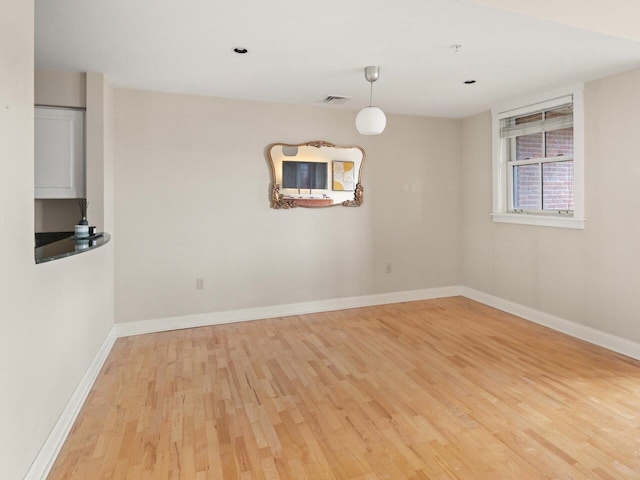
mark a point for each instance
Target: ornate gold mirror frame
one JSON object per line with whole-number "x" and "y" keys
{"x": 315, "y": 174}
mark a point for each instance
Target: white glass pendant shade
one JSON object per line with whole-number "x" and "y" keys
{"x": 371, "y": 121}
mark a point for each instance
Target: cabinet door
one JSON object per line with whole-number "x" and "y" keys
{"x": 59, "y": 153}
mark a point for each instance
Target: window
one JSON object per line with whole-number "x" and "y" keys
{"x": 537, "y": 161}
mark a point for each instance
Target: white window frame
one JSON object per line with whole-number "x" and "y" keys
{"x": 502, "y": 177}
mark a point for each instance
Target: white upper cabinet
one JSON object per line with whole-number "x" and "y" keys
{"x": 59, "y": 153}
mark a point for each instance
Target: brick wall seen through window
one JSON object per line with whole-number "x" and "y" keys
{"x": 557, "y": 177}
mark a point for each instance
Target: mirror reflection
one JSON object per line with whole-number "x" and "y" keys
{"x": 315, "y": 174}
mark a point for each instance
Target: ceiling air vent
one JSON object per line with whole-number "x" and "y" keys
{"x": 336, "y": 99}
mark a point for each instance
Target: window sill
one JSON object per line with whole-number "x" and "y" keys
{"x": 539, "y": 220}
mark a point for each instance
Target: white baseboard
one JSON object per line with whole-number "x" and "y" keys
{"x": 583, "y": 332}
{"x": 577, "y": 330}
{"x": 218, "y": 318}
{"x": 43, "y": 462}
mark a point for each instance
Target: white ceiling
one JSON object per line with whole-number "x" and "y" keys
{"x": 301, "y": 51}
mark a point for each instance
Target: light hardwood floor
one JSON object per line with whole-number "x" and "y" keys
{"x": 440, "y": 389}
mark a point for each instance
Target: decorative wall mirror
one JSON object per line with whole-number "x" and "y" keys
{"x": 315, "y": 174}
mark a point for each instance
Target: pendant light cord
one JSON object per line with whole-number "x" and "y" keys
{"x": 371, "y": 95}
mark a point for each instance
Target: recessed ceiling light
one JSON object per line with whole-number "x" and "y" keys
{"x": 469, "y": 82}
{"x": 240, "y": 50}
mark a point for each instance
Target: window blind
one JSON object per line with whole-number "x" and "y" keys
{"x": 508, "y": 127}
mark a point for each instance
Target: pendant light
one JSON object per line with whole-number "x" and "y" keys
{"x": 371, "y": 120}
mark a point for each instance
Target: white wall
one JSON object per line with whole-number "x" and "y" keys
{"x": 192, "y": 200}
{"x": 56, "y": 315}
{"x": 587, "y": 276}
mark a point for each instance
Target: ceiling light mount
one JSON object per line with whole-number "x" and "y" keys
{"x": 240, "y": 50}
{"x": 372, "y": 73}
{"x": 371, "y": 120}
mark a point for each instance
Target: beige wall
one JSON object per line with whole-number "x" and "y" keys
{"x": 617, "y": 18}
{"x": 55, "y": 315}
{"x": 56, "y": 215}
{"x": 192, "y": 184}
{"x": 587, "y": 276}
{"x": 95, "y": 149}
{"x": 60, "y": 89}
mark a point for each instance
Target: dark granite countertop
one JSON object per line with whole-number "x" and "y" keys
{"x": 46, "y": 238}
{"x": 55, "y": 245}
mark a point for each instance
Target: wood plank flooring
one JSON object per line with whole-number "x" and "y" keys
{"x": 440, "y": 389}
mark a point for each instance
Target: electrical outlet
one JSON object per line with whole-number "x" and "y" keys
{"x": 200, "y": 283}
{"x": 387, "y": 268}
